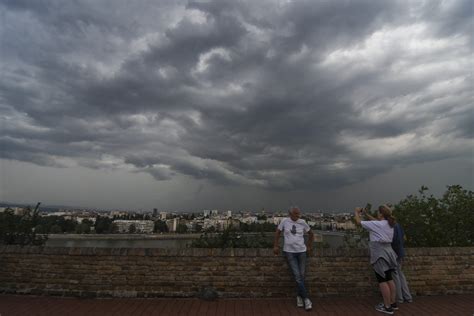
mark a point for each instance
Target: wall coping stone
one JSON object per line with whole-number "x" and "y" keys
{"x": 216, "y": 252}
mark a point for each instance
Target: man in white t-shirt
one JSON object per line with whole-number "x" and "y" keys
{"x": 295, "y": 250}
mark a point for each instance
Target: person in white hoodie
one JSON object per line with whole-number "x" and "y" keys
{"x": 382, "y": 257}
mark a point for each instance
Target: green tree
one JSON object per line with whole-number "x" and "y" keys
{"x": 443, "y": 222}
{"x": 114, "y": 229}
{"x": 182, "y": 229}
{"x": 65, "y": 225}
{"x": 40, "y": 229}
{"x": 257, "y": 227}
{"x": 210, "y": 229}
{"x": 132, "y": 229}
{"x": 20, "y": 230}
{"x": 103, "y": 225}
{"x": 83, "y": 228}
{"x": 160, "y": 227}
{"x": 198, "y": 228}
{"x": 55, "y": 229}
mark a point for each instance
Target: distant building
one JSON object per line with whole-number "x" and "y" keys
{"x": 57, "y": 214}
{"x": 206, "y": 213}
{"x": 163, "y": 216}
{"x": 141, "y": 226}
{"x": 155, "y": 212}
{"x": 346, "y": 226}
{"x": 208, "y": 223}
{"x": 191, "y": 226}
{"x": 19, "y": 211}
{"x": 218, "y": 224}
{"x": 249, "y": 219}
{"x": 79, "y": 219}
{"x": 277, "y": 219}
{"x": 7, "y": 209}
{"x": 221, "y": 224}
{"x": 233, "y": 222}
{"x": 173, "y": 224}
{"x": 118, "y": 213}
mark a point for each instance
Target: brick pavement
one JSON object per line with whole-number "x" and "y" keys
{"x": 11, "y": 305}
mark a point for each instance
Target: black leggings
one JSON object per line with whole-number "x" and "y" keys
{"x": 388, "y": 276}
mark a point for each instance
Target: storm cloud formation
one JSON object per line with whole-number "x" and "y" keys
{"x": 280, "y": 95}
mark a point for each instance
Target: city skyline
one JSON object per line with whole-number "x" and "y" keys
{"x": 191, "y": 105}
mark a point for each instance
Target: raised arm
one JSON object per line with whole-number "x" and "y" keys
{"x": 370, "y": 217}
{"x": 357, "y": 212}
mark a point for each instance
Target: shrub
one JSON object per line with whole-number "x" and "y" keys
{"x": 443, "y": 222}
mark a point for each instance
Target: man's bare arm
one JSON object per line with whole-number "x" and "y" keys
{"x": 309, "y": 242}
{"x": 276, "y": 242}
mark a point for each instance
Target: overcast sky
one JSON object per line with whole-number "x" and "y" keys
{"x": 184, "y": 106}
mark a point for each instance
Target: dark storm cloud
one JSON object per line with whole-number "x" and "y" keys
{"x": 275, "y": 94}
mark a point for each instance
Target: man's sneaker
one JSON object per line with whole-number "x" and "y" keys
{"x": 299, "y": 301}
{"x": 405, "y": 301}
{"x": 381, "y": 308}
{"x": 307, "y": 304}
{"x": 394, "y": 306}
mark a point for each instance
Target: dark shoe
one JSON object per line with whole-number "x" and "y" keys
{"x": 381, "y": 308}
{"x": 394, "y": 306}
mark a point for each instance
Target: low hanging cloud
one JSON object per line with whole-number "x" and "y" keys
{"x": 276, "y": 94}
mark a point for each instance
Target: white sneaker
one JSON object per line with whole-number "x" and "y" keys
{"x": 307, "y": 304}
{"x": 299, "y": 301}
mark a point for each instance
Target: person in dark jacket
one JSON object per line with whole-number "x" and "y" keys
{"x": 403, "y": 292}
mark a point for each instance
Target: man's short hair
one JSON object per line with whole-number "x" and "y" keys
{"x": 293, "y": 208}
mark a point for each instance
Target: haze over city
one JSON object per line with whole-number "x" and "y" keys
{"x": 184, "y": 105}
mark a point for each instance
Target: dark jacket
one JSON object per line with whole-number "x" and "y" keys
{"x": 397, "y": 242}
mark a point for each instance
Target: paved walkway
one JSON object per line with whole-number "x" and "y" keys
{"x": 10, "y": 305}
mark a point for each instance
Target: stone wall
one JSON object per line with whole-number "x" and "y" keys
{"x": 91, "y": 272}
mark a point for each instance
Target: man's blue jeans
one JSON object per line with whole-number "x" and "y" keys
{"x": 297, "y": 263}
